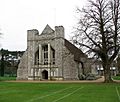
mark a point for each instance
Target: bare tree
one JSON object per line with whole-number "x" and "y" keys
{"x": 99, "y": 31}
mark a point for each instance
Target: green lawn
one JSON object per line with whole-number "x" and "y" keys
{"x": 51, "y": 92}
{"x": 116, "y": 77}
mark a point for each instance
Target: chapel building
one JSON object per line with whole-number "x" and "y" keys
{"x": 50, "y": 56}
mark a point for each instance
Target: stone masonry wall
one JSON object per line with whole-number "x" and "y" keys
{"x": 22, "y": 72}
{"x": 70, "y": 66}
{"x": 59, "y": 43}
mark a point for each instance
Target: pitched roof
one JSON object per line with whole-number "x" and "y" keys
{"x": 47, "y": 30}
{"x": 75, "y": 51}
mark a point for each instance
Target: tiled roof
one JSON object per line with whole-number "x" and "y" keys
{"x": 75, "y": 51}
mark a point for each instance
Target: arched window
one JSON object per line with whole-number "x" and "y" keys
{"x": 45, "y": 49}
{"x": 37, "y": 57}
{"x": 52, "y": 56}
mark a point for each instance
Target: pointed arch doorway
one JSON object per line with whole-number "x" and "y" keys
{"x": 45, "y": 74}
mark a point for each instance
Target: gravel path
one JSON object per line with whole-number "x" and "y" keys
{"x": 100, "y": 80}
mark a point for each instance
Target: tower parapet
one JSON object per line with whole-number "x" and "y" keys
{"x": 31, "y": 34}
{"x": 59, "y": 31}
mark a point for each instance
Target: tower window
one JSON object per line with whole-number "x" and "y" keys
{"x": 53, "y": 56}
{"x": 45, "y": 48}
{"x": 37, "y": 57}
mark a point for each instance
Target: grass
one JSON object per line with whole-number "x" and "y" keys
{"x": 59, "y": 92}
{"x": 116, "y": 77}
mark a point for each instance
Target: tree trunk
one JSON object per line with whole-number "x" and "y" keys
{"x": 118, "y": 70}
{"x": 2, "y": 65}
{"x": 107, "y": 74}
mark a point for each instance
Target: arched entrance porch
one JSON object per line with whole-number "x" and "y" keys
{"x": 45, "y": 74}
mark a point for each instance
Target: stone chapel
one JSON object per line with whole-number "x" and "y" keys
{"x": 50, "y": 56}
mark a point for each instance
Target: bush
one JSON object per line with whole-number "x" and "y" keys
{"x": 81, "y": 77}
{"x": 91, "y": 76}
{"x": 7, "y": 78}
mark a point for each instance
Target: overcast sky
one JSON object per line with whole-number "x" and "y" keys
{"x": 18, "y": 16}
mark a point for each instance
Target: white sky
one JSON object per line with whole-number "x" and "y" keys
{"x": 18, "y": 16}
